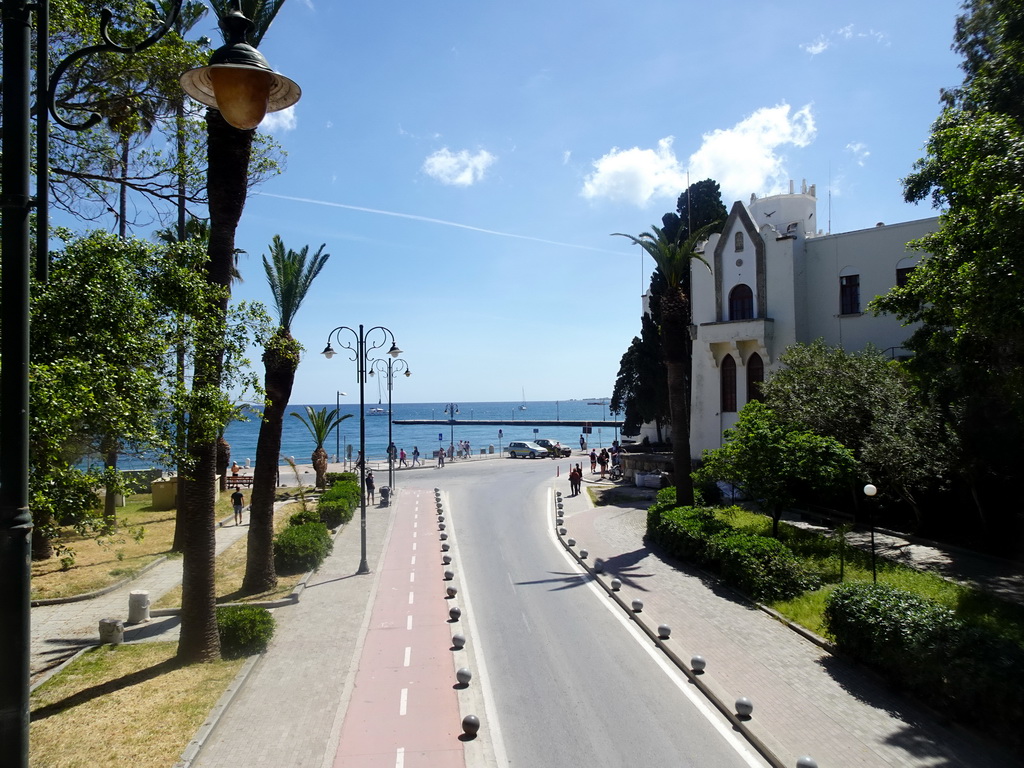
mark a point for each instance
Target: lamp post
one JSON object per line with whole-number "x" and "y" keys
{"x": 376, "y": 337}
{"x": 451, "y": 409}
{"x": 17, "y": 202}
{"x": 870, "y": 491}
{"x": 388, "y": 367}
{"x": 337, "y": 432}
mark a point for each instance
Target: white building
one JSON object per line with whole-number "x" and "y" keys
{"x": 776, "y": 280}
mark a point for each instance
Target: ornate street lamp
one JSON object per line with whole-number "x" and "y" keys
{"x": 360, "y": 354}
{"x": 871, "y": 491}
{"x": 451, "y": 409}
{"x": 238, "y": 81}
{"x": 388, "y": 368}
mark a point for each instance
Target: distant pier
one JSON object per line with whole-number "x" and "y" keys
{"x": 551, "y": 423}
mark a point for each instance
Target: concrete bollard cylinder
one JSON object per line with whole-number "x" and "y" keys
{"x": 111, "y": 631}
{"x": 138, "y": 606}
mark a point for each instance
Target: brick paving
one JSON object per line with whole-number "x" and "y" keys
{"x": 807, "y": 702}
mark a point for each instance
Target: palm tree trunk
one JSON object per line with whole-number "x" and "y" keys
{"x": 228, "y": 151}
{"x": 280, "y": 361}
{"x": 319, "y": 459}
{"x": 677, "y": 347}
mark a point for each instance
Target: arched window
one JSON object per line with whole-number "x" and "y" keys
{"x": 728, "y": 372}
{"x": 755, "y": 377}
{"x": 741, "y": 303}
{"x": 738, "y": 241}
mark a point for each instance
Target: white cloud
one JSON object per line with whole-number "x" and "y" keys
{"x": 459, "y": 169}
{"x": 566, "y": 156}
{"x": 818, "y": 46}
{"x": 280, "y": 121}
{"x": 745, "y": 158}
{"x": 636, "y": 175}
{"x": 825, "y": 41}
{"x": 860, "y": 151}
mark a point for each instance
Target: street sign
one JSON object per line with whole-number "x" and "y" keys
{"x": 440, "y": 436}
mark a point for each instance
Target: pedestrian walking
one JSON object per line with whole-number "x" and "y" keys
{"x": 440, "y": 456}
{"x": 415, "y": 455}
{"x": 468, "y": 452}
{"x": 237, "y": 502}
{"x": 603, "y": 459}
{"x": 370, "y": 486}
{"x": 593, "y": 461}
{"x": 401, "y": 459}
{"x": 583, "y": 443}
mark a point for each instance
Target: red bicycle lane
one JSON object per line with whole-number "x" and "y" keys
{"x": 404, "y": 709}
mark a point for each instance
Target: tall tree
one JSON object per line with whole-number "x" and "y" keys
{"x": 868, "y": 403}
{"x": 101, "y": 328}
{"x": 228, "y": 154}
{"x": 290, "y": 275}
{"x": 674, "y": 258}
{"x": 775, "y": 463}
{"x": 968, "y": 289}
{"x": 641, "y": 391}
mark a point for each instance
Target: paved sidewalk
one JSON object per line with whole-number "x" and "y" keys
{"x": 807, "y": 702}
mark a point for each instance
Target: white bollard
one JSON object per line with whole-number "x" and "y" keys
{"x": 138, "y": 606}
{"x": 111, "y": 631}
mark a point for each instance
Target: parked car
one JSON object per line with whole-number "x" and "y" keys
{"x": 563, "y": 450}
{"x": 523, "y": 449}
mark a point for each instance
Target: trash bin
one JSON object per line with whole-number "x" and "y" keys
{"x": 385, "y": 495}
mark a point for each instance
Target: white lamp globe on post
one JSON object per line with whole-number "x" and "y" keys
{"x": 870, "y": 491}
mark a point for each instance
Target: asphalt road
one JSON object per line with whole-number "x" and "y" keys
{"x": 570, "y": 681}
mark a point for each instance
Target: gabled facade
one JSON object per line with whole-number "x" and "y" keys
{"x": 776, "y": 280}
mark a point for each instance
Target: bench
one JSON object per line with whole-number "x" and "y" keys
{"x": 240, "y": 481}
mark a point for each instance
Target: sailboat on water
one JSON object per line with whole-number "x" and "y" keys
{"x": 522, "y": 406}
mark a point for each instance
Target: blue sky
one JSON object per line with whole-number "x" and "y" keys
{"x": 466, "y": 162}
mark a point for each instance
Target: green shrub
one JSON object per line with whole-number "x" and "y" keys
{"x": 758, "y": 566}
{"x": 244, "y": 630}
{"x": 305, "y": 516}
{"x": 964, "y": 670}
{"x": 335, "y": 513}
{"x": 301, "y": 548}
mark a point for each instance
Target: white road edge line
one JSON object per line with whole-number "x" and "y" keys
{"x": 712, "y": 715}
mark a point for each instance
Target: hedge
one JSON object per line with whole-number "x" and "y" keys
{"x": 966, "y": 671}
{"x": 301, "y": 548}
{"x": 763, "y": 568}
{"x": 244, "y": 630}
{"x": 337, "y": 504}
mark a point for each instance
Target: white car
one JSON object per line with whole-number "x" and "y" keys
{"x": 523, "y": 449}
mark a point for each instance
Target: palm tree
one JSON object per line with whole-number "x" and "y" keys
{"x": 673, "y": 258}
{"x": 320, "y": 425}
{"x": 228, "y": 152}
{"x": 290, "y": 275}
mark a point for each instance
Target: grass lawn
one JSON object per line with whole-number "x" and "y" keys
{"x": 820, "y": 555}
{"x": 143, "y": 534}
{"x": 123, "y": 705}
{"x": 231, "y": 570}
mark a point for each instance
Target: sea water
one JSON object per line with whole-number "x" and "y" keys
{"x": 297, "y": 443}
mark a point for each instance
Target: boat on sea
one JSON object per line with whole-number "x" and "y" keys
{"x": 377, "y": 411}
{"x": 523, "y": 406}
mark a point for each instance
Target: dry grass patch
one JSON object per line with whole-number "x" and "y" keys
{"x": 231, "y": 570}
{"x": 143, "y": 534}
{"x": 124, "y": 705}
